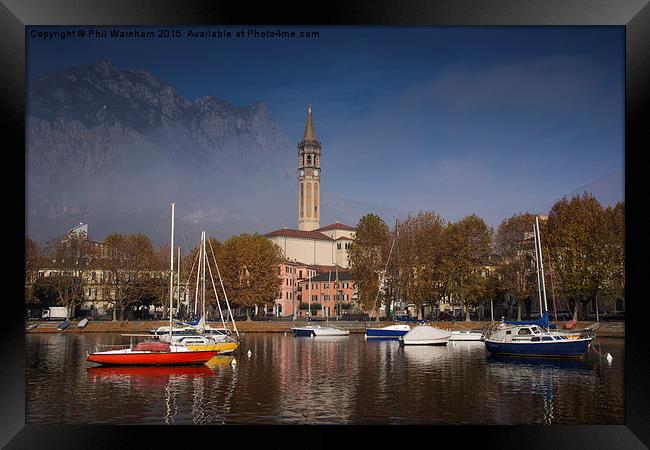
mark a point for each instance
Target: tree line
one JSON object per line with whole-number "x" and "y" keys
{"x": 132, "y": 272}
{"x": 424, "y": 260}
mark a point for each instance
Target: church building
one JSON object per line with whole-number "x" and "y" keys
{"x": 311, "y": 249}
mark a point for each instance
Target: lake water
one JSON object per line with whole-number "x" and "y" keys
{"x": 348, "y": 380}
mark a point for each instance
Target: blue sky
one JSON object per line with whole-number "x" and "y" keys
{"x": 463, "y": 120}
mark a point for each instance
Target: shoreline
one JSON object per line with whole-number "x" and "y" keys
{"x": 607, "y": 329}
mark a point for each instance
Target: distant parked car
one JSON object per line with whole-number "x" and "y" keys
{"x": 561, "y": 315}
{"x": 356, "y": 317}
{"x": 602, "y": 315}
{"x": 444, "y": 316}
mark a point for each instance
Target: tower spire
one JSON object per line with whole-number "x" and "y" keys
{"x": 310, "y": 131}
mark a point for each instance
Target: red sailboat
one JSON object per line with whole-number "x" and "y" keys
{"x": 154, "y": 352}
{"x": 151, "y": 353}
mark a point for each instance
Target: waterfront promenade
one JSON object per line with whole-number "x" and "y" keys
{"x": 607, "y": 329}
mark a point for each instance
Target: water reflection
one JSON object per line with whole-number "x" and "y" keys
{"x": 326, "y": 380}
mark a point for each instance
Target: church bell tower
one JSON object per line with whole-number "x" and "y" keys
{"x": 309, "y": 178}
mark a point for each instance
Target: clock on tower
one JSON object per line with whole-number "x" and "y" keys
{"x": 309, "y": 174}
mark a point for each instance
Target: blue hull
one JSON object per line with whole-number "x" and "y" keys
{"x": 303, "y": 333}
{"x": 565, "y": 348}
{"x": 378, "y": 333}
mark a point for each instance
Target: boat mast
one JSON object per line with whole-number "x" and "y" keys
{"x": 541, "y": 263}
{"x": 171, "y": 275}
{"x": 539, "y": 289}
{"x": 203, "y": 281}
{"x": 198, "y": 277}
{"x": 550, "y": 269}
{"x": 225, "y": 295}
{"x": 178, "y": 283}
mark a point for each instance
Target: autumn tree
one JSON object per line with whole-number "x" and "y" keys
{"x": 367, "y": 258}
{"x": 587, "y": 248}
{"x": 466, "y": 251}
{"x": 31, "y": 266}
{"x": 516, "y": 268}
{"x": 419, "y": 259}
{"x": 131, "y": 264}
{"x": 249, "y": 267}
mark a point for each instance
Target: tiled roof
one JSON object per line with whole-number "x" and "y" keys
{"x": 336, "y": 226}
{"x": 288, "y": 232}
{"x": 326, "y": 269}
{"x": 332, "y": 277}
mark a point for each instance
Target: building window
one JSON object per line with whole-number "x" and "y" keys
{"x": 338, "y": 246}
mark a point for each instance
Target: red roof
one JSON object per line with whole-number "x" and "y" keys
{"x": 336, "y": 226}
{"x": 288, "y": 232}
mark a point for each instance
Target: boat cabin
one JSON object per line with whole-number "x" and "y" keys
{"x": 525, "y": 333}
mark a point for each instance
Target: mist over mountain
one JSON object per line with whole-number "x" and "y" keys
{"x": 113, "y": 147}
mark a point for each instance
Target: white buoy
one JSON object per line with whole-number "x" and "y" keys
{"x": 609, "y": 357}
{"x": 234, "y": 362}
{"x": 249, "y": 353}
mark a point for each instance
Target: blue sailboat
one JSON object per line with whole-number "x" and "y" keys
{"x": 534, "y": 337}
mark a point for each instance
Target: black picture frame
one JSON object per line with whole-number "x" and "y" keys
{"x": 634, "y": 15}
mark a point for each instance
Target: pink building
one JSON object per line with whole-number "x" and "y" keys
{"x": 291, "y": 274}
{"x": 330, "y": 290}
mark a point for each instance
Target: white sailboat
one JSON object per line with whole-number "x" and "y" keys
{"x": 202, "y": 337}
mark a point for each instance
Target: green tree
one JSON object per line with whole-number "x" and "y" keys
{"x": 249, "y": 267}
{"x": 516, "y": 268}
{"x": 466, "y": 253}
{"x": 367, "y": 258}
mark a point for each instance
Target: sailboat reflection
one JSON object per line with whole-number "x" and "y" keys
{"x": 539, "y": 376}
{"x": 146, "y": 377}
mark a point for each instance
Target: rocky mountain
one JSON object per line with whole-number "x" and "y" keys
{"x": 112, "y": 147}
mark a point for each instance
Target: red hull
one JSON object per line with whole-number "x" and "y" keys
{"x": 152, "y": 359}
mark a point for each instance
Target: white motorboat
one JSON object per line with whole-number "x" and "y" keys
{"x": 426, "y": 335}
{"x": 466, "y": 335}
{"x": 318, "y": 330}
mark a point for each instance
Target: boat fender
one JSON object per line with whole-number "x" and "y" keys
{"x": 234, "y": 362}
{"x": 609, "y": 357}
{"x": 249, "y": 353}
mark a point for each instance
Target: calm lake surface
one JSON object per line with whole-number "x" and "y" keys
{"x": 290, "y": 380}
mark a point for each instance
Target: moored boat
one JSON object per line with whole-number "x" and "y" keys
{"x": 82, "y": 323}
{"x": 535, "y": 338}
{"x": 388, "y": 332}
{"x": 151, "y": 353}
{"x": 426, "y": 335}
{"x": 63, "y": 325}
{"x": 532, "y": 340}
{"x": 202, "y": 343}
{"x": 466, "y": 335}
{"x": 317, "y": 330}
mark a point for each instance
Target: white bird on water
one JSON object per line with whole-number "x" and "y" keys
{"x": 249, "y": 353}
{"x": 609, "y": 357}
{"x": 234, "y": 362}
